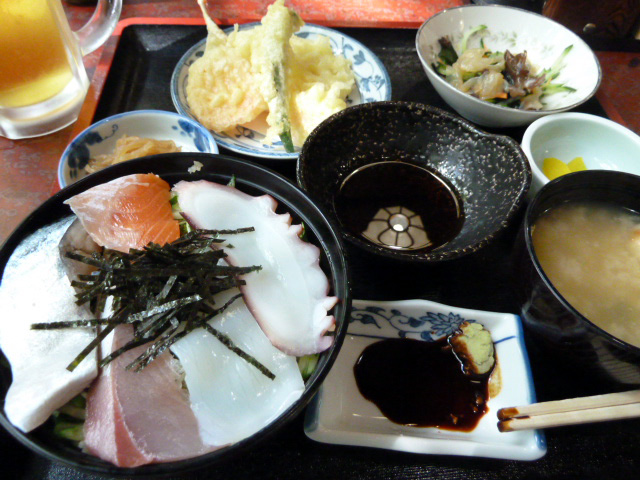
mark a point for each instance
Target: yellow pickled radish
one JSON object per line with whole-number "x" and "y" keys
{"x": 554, "y": 168}
{"x": 577, "y": 165}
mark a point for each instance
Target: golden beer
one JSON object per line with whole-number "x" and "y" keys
{"x": 34, "y": 62}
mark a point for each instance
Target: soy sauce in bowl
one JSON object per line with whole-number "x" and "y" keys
{"x": 400, "y": 206}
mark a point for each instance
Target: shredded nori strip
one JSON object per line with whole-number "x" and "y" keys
{"x": 164, "y": 292}
{"x": 227, "y": 342}
{"x": 89, "y": 322}
{"x": 165, "y": 307}
{"x": 93, "y": 344}
{"x": 169, "y": 339}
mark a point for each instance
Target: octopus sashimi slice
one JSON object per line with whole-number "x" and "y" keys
{"x": 289, "y": 295}
{"x": 136, "y": 418}
{"x": 230, "y": 397}
{"x": 128, "y": 212}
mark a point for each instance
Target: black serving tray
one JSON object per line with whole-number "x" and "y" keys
{"x": 139, "y": 78}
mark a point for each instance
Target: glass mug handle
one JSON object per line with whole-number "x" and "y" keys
{"x": 46, "y": 90}
{"x": 101, "y": 24}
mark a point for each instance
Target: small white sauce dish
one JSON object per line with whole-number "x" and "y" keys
{"x": 101, "y": 137}
{"x": 602, "y": 143}
{"x": 339, "y": 414}
{"x": 518, "y": 31}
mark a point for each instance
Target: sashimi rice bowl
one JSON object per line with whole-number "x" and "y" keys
{"x": 159, "y": 316}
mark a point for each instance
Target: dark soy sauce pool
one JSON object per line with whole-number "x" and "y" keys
{"x": 399, "y": 206}
{"x": 421, "y": 384}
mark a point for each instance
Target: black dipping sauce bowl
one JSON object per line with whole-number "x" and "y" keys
{"x": 489, "y": 172}
{"x": 549, "y": 319}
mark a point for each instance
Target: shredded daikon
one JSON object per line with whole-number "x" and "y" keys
{"x": 128, "y": 148}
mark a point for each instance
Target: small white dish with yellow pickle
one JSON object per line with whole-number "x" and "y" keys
{"x": 568, "y": 142}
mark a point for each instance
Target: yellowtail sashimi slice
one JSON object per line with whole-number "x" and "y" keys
{"x": 136, "y": 418}
{"x": 230, "y": 397}
{"x": 289, "y": 295}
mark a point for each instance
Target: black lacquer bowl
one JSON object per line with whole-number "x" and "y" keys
{"x": 250, "y": 178}
{"x": 490, "y": 172}
{"x": 565, "y": 334}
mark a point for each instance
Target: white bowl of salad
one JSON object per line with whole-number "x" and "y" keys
{"x": 501, "y": 66}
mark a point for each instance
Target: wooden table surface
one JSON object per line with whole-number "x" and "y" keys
{"x": 28, "y": 168}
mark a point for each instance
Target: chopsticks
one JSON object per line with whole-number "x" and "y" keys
{"x": 573, "y": 411}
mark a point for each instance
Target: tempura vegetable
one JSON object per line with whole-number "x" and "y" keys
{"x": 296, "y": 81}
{"x": 223, "y": 90}
{"x": 270, "y": 58}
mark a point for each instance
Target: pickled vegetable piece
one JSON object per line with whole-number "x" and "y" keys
{"x": 553, "y": 168}
{"x": 577, "y": 165}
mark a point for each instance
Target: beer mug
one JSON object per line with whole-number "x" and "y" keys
{"x": 43, "y": 82}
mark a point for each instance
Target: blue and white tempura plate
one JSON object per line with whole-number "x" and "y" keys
{"x": 372, "y": 85}
{"x": 339, "y": 414}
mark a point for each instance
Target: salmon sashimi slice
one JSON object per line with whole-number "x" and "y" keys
{"x": 136, "y": 418}
{"x": 128, "y": 212}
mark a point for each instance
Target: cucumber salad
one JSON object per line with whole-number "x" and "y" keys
{"x": 502, "y": 78}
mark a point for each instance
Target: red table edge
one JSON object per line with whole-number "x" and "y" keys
{"x": 85, "y": 118}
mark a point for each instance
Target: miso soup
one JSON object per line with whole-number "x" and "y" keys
{"x": 591, "y": 253}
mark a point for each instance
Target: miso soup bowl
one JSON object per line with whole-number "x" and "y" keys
{"x": 552, "y": 322}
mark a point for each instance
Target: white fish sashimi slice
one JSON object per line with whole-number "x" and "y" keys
{"x": 35, "y": 289}
{"x": 136, "y": 418}
{"x": 231, "y": 398}
{"x": 77, "y": 240}
{"x": 289, "y": 295}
